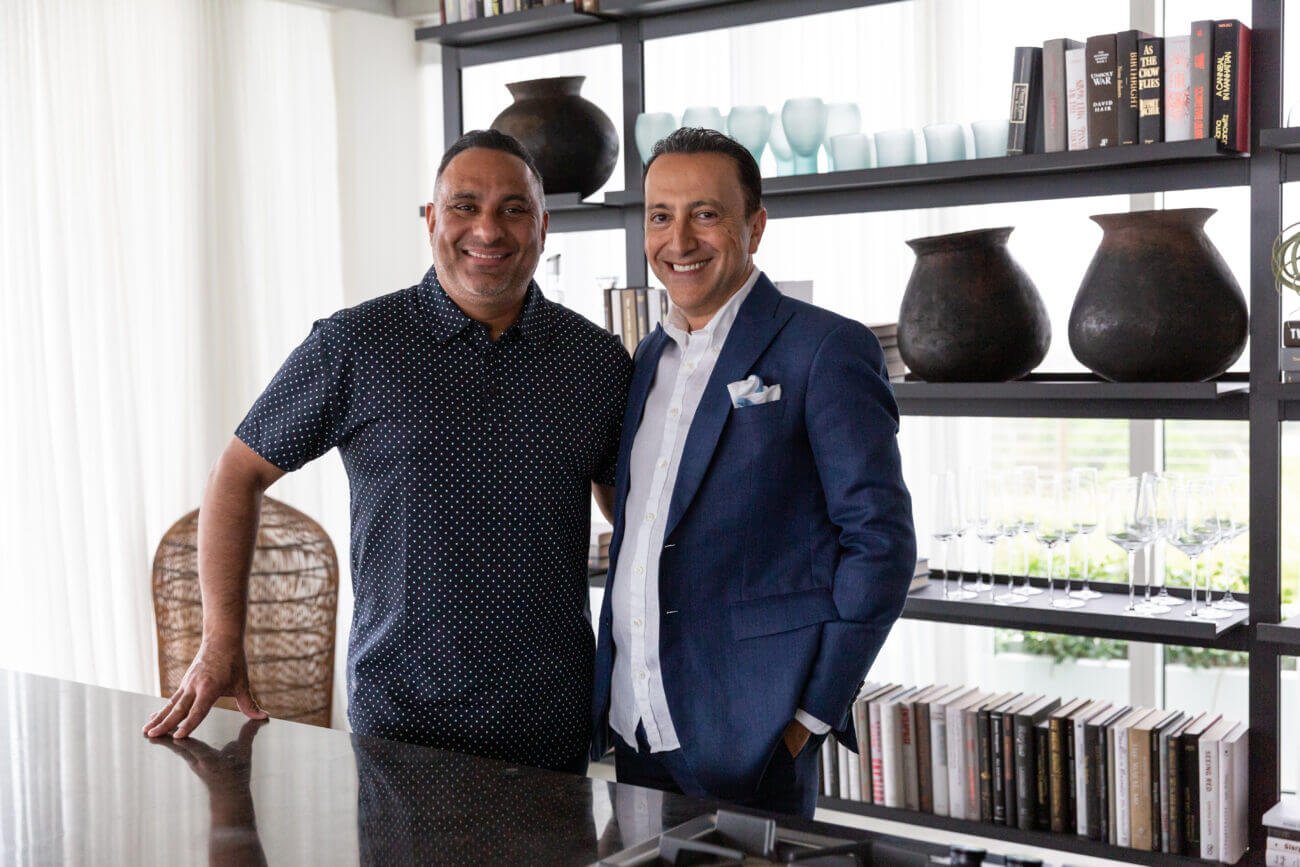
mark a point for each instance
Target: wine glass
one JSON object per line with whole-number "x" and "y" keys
{"x": 1084, "y": 512}
{"x": 987, "y": 518}
{"x": 1234, "y": 520}
{"x": 1124, "y": 525}
{"x": 1051, "y": 526}
{"x": 947, "y": 525}
{"x": 1192, "y": 530}
{"x": 1025, "y": 484}
{"x": 1156, "y": 509}
{"x": 1070, "y": 527}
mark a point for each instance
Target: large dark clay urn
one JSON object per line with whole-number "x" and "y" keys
{"x": 573, "y": 143}
{"x": 1158, "y": 303}
{"x": 970, "y": 313}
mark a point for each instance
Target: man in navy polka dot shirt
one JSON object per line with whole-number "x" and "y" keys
{"x": 474, "y": 417}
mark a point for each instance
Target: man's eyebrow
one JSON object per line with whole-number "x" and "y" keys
{"x": 713, "y": 203}
{"x": 470, "y": 196}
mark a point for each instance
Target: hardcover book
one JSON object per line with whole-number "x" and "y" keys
{"x": 1126, "y": 57}
{"x": 1076, "y": 99}
{"x": 1083, "y": 812}
{"x": 1174, "y": 787}
{"x": 1191, "y": 779}
{"x": 1099, "y": 58}
{"x": 1151, "y": 90}
{"x": 924, "y": 749}
{"x": 1141, "y": 806}
{"x": 1056, "y": 94}
{"x": 957, "y": 754}
{"x": 1042, "y": 785}
{"x": 939, "y": 747}
{"x": 1202, "y": 53}
{"x": 1058, "y": 766}
{"x": 1234, "y": 770}
{"x": 984, "y": 749}
{"x": 1231, "y": 84}
{"x": 1026, "y": 760}
{"x": 1025, "y": 134}
{"x": 1103, "y": 773}
{"x": 1178, "y": 96}
{"x": 1160, "y": 779}
{"x": 1208, "y": 749}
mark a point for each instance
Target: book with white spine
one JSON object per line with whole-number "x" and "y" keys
{"x": 1096, "y": 709}
{"x": 1234, "y": 770}
{"x": 1207, "y": 769}
{"x": 957, "y": 759}
{"x": 939, "y": 746}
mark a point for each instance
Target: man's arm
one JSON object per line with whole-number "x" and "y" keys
{"x": 852, "y": 423}
{"x": 604, "y": 495}
{"x": 227, "y": 536}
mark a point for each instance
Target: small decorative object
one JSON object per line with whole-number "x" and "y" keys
{"x": 573, "y": 142}
{"x": 970, "y": 313}
{"x": 842, "y": 118}
{"x": 750, "y": 125}
{"x": 1286, "y": 259}
{"x": 944, "y": 142}
{"x": 895, "y": 147}
{"x": 990, "y": 137}
{"x": 703, "y": 117}
{"x": 804, "y": 122}
{"x": 851, "y": 151}
{"x": 650, "y": 127}
{"x": 1158, "y": 303}
{"x": 780, "y": 147}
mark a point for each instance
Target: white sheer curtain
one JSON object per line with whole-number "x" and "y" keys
{"x": 169, "y": 216}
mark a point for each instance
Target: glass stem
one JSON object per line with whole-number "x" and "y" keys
{"x": 1195, "y": 568}
{"x": 1148, "y": 560}
{"x": 947, "y": 566}
{"x": 1051, "y": 575}
{"x": 1067, "y": 568}
{"x": 1024, "y": 551}
{"x": 1132, "y": 567}
{"x": 1087, "y": 566}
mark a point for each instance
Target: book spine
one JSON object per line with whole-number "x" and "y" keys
{"x": 1231, "y": 84}
{"x": 1208, "y": 771}
{"x": 1155, "y": 761}
{"x": 1056, "y": 771}
{"x": 642, "y": 314}
{"x": 891, "y": 731}
{"x": 1151, "y": 90}
{"x": 1055, "y": 90}
{"x": 824, "y": 755}
{"x": 1079, "y": 752}
{"x": 907, "y": 736}
{"x": 1191, "y": 796}
{"x": 1042, "y": 766}
{"x": 862, "y": 728}
{"x": 1277, "y": 833}
{"x": 630, "y": 336}
{"x": 1227, "y": 832}
{"x": 1123, "y": 827}
{"x": 1202, "y": 59}
{"x": 924, "y": 760}
{"x": 1071, "y": 803}
{"x": 1025, "y": 134}
{"x": 1174, "y": 794}
{"x": 1099, "y": 59}
{"x": 1282, "y": 844}
{"x": 1009, "y": 798}
{"x": 984, "y": 747}
{"x": 1111, "y": 801}
{"x": 997, "y": 771}
{"x": 956, "y": 766}
{"x": 939, "y": 758}
{"x": 1276, "y": 858}
{"x": 1139, "y": 789}
{"x": 1076, "y": 101}
{"x": 855, "y": 774}
{"x": 1026, "y": 773}
{"x": 451, "y": 12}
{"x": 1126, "y": 57}
{"x": 1091, "y": 783}
{"x": 970, "y": 747}
{"x": 609, "y": 313}
{"x": 1177, "y": 80}
{"x": 877, "y": 754}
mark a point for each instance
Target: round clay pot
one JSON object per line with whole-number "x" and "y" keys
{"x": 573, "y": 142}
{"x": 1158, "y": 303}
{"x": 970, "y": 313}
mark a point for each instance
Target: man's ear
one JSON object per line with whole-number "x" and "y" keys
{"x": 429, "y": 216}
{"x": 758, "y": 224}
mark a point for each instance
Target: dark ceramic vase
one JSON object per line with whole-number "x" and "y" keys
{"x": 574, "y": 144}
{"x": 1158, "y": 303}
{"x": 970, "y": 313}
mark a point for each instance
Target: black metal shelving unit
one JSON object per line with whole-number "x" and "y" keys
{"x": 1259, "y": 400}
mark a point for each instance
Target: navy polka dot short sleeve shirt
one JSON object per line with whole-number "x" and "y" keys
{"x": 470, "y": 463}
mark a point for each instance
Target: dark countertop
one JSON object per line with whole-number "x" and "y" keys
{"x": 79, "y": 784}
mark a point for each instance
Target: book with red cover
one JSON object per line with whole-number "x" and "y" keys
{"x": 1202, "y": 94}
{"x": 1230, "y": 77}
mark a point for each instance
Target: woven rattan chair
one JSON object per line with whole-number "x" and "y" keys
{"x": 292, "y": 601}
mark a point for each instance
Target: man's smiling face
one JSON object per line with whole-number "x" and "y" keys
{"x": 487, "y": 226}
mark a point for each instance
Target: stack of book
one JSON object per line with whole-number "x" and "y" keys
{"x": 1133, "y": 88}
{"x": 921, "y": 575}
{"x": 452, "y": 11}
{"x": 1155, "y": 780}
{"x": 1283, "y": 824}
{"x": 598, "y": 553}
{"x": 631, "y": 314}
{"x": 887, "y": 334}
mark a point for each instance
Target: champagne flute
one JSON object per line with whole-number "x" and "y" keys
{"x": 1234, "y": 520}
{"x": 1156, "y": 509}
{"x": 947, "y": 524}
{"x": 1194, "y": 527}
{"x": 1123, "y": 526}
{"x": 1162, "y": 504}
{"x": 1084, "y": 511}
{"x": 1050, "y": 528}
{"x": 986, "y": 521}
{"x": 1070, "y": 527}
{"x": 1025, "y": 483}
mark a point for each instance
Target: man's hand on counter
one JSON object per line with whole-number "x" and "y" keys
{"x": 219, "y": 669}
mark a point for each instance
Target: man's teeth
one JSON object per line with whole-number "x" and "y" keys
{"x": 486, "y": 255}
{"x": 695, "y": 266}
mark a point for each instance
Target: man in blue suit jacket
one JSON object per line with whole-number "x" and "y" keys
{"x": 763, "y": 540}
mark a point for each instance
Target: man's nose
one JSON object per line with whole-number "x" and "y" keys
{"x": 682, "y": 238}
{"x": 488, "y": 228}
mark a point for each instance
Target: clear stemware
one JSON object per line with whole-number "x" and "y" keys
{"x": 1234, "y": 521}
{"x": 986, "y": 521}
{"x": 947, "y": 526}
{"x": 1125, "y": 527}
{"x": 1023, "y": 487}
{"x": 1193, "y": 529}
{"x": 1085, "y": 510}
{"x": 1051, "y": 527}
{"x": 1070, "y": 527}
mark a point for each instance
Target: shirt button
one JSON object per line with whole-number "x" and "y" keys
{"x": 642, "y": 675}
{"x": 663, "y": 463}
{"x": 636, "y": 621}
{"x": 674, "y": 412}
{"x": 690, "y": 365}
{"x": 640, "y": 570}
{"x": 650, "y": 517}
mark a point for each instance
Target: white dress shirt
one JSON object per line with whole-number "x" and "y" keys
{"x": 637, "y": 688}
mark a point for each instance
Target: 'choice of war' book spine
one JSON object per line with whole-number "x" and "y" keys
{"x": 1176, "y": 75}
{"x": 1099, "y": 61}
{"x": 1025, "y": 135}
{"x": 1126, "y": 67}
{"x": 1076, "y": 99}
{"x": 1055, "y": 94}
{"x": 1202, "y": 54}
{"x": 1230, "y": 78}
{"x": 1151, "y": 90}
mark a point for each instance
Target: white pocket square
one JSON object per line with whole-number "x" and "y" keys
{"x": 751, "y": 392}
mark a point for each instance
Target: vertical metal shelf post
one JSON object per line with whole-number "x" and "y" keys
{"x": 633, "y": 48}
{"x": 1265, "y": 420}
{"x": 452, "y": 113}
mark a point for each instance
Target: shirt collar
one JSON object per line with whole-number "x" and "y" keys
{"x": 447, "y": 320}
{"x": 719, "y": 325}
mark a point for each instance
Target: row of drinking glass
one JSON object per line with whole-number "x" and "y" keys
{"x": 1192, "y": 514}
{"x": 805, "y": 125}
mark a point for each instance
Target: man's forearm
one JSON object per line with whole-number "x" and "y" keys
{"x": 227, "y": 537}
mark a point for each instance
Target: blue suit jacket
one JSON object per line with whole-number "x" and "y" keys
{"x": 789, "y": 545}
